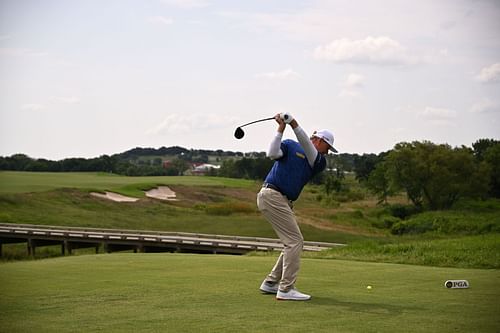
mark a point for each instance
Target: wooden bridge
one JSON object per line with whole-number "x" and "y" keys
{"x": 70, "y": 238}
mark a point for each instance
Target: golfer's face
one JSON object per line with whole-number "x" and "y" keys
{"x": 320, "y": 145}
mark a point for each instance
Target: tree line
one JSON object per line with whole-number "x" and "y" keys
{"x": 134, "y": 162}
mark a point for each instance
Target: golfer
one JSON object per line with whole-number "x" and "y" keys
{"x": 295, "y": 164}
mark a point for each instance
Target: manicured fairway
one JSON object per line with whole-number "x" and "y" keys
{"x": 206, "y": 293}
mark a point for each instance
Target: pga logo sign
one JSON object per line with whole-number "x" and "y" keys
{"x": 456, "y": 284}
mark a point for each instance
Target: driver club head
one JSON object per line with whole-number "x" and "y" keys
{"x": 238, "y": 134}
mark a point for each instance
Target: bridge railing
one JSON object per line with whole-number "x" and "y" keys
{"x": 142, "y": 240}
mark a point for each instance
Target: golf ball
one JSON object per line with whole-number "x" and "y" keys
{"x": 369, "y": 287}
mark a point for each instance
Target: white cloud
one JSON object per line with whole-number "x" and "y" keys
{"x": 438, "y": 116}
{"x": 33, "y": 107}
{"x": 160, "y": 20}
{"x": 354, "y": 80}
{"x": 485, "y": 106}
{"x": 352, "y": 85}
{"x": 432, "y": 113}
{"x": 286, "y": 74}
{"x": 371, "y": 50}
{"x": 187, "y": 4}
{"x": 185, "y": 123}
{"x": 489, "y": 74}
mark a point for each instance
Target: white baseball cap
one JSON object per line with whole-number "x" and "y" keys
{"x": 327, "y": 136}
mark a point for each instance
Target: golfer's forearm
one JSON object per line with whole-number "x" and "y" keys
{"x": 305, "y": 142}
{"x": 275, "y": 151}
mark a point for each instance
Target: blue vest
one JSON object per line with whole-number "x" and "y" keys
{"x": 292, "y": 171}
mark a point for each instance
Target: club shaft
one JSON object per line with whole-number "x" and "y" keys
{"x": 257, "y": 121}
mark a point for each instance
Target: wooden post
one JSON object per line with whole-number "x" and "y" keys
{"x": 31, "y": 248}
{"x": 68, "y": 247}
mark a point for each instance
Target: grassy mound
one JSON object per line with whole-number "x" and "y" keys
{"x": 466, "y": 236}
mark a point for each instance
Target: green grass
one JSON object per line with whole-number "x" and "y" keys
{"x": 206, "y": 293}
{"x": 480, "y": 251}
{"x": 23, "y": 182}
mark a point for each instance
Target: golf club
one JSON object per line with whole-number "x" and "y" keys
{"x": 238, "y": 134}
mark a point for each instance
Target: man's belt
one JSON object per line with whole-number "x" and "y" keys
{"x": 273, "y": 187}
{"x": 276, "y": 188}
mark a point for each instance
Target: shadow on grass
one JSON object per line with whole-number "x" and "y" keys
{"x": 376, "y": 308}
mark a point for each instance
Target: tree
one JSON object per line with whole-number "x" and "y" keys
{"x": 177, "y": 167}
{"x": 19, "y": 162}
{"x": 228, "y": 169}
{"x": 436, "y": 175}
{"x": 333, "y": 183}
{"x": 492, "y": 158}
{"x": 250, "y": 168}
{"x": 481, "y": 146}
{"x": 404, "y": 171}
{"x": 380, "y": 184}
{"x": 364, "y": 165}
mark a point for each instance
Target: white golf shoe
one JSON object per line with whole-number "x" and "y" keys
{"x": 292, "y": 295}
{"x": 269, "y": 288}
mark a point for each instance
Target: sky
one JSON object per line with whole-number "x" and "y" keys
{"x": 84, "y": 78}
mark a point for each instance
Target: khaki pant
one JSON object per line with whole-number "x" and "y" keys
{"x": 277, "y": 210}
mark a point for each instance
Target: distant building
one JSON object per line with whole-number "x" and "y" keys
{"x": 201, "y": 169}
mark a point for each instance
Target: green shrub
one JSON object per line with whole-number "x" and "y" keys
{"x": 385, "y": 222}
{"x": 220, "y": 210}
{"x": 200, "y": 207}
{"x": 228, "y": 208}
{"x": 330, "y": 202}
{"x": 358, "y": 214}
{"x": 402, "y": 211}
{"x": 444, "y": 224}
{"x": 411, "y": 227}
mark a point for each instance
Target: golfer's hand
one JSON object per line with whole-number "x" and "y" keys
{"x": 287, "y": 117}
{"x": 280, "y": 122}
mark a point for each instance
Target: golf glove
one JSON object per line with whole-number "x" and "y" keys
{"x": 287, "y": 117}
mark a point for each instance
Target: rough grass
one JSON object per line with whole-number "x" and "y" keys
{"x": 207, "y": 293}
{"x": 482, "y": 251}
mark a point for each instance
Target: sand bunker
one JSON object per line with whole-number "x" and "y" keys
{"x": 162, "y": 193}
{"x": 114, "y": 197}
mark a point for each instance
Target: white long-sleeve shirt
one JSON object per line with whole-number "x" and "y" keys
{"x": 310, "y": 151}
